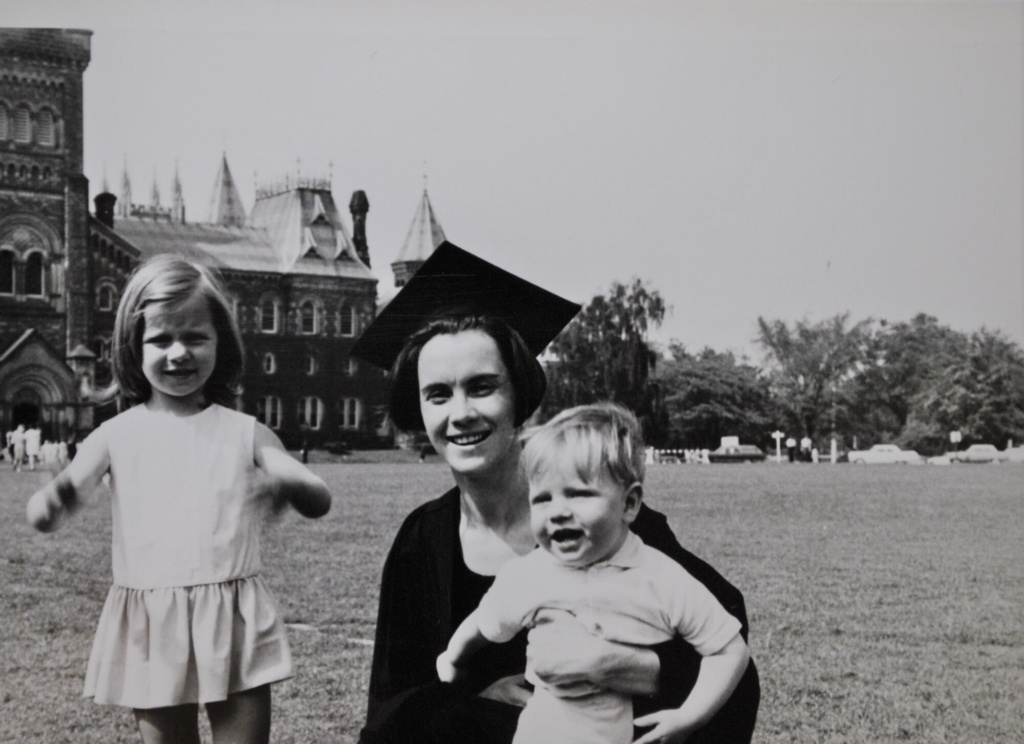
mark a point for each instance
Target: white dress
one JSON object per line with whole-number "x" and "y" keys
{"x": 188, "y": 619}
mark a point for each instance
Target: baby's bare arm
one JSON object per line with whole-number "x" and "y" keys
{"x": 466, "y": 641}
{"x": 719, "y": 674}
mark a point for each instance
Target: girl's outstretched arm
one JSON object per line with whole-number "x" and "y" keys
{"x": 291, "y": 482}
{"x": 63, "y": 493}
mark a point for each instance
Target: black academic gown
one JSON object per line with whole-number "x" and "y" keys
{"x": 426, "y": 591}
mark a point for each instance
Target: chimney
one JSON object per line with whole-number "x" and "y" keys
{"x": 359, "y": 206}
{"x": 105, "y": 208}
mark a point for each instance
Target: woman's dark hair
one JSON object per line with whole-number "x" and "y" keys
{"x": 525, "y": 373}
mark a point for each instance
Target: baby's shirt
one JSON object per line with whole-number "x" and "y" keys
{"x": 639, "y": 596}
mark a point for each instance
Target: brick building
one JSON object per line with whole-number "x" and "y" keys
{"x": 300, "y": 282}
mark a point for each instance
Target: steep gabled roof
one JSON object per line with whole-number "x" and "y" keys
{"x": 226, "y": 207}
{"x": 305, "y": 227}
{"x": 425, "y": 234}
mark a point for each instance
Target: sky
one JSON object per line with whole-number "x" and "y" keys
{"x": 789, "y": 160}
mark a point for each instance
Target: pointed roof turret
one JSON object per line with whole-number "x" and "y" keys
{"x": 177, "y": 199}
{"x": 425, "y": 234}
{"x": 225, "y": 204}
{"x": 154, "y": 194}
{"x": 124, "y": 204}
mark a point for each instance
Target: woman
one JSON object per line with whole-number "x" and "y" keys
{"x": 469, "y": 380}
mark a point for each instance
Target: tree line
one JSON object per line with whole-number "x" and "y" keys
{"x": 866, "y": 382}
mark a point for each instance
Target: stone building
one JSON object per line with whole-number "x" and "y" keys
{"x": 301, "y": 284}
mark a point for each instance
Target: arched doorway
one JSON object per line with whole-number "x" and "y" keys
{"x": 26, "y": 414}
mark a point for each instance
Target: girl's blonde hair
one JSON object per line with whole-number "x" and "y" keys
{"x": 172, "y": 279}
{"x": 598, "y": 437}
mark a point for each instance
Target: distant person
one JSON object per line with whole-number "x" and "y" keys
{"x": 585, "y": 469}
{"x": 189, "y": 621}
{"x": 461, "y": 340}
{"x": 791, "y": 448}
{"x": 18, "y": 449}
{"x": 33, "y": 446}
{"x": 805, "y": 449}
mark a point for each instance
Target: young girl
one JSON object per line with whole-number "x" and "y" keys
{"x": 188, "y": 620}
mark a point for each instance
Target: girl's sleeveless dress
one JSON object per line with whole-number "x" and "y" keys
{"x": 188, "y": 619}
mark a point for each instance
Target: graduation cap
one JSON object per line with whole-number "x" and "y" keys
{"x": 452, "y": 279}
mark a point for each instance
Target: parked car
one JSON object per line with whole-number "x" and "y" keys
{"x": 978, "y": 453}
{"x": 884, "y": 454}
{"x": 737, "y": 453}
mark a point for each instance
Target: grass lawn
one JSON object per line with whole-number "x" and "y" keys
{"x": 886, "y": 602}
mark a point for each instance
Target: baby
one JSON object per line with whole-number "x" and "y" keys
{"x": 585, "y": 468}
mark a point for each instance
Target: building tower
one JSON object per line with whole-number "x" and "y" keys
{"x": 425, "y": 234}
{"x": 45, "y": 291}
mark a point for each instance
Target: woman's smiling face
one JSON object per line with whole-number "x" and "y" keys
{"x": 467, "y": 401}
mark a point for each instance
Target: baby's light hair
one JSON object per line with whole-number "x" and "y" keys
{"x": 602, "y": 436}
{"x": 172, "y": 279}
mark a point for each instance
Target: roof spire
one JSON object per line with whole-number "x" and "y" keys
{"x": 425, "y": 234}
{"x": 124, "y": 204}
{"x": 177, "y": 199}
{"x": 225, "y": 204}
{"x": 154, "y": 194}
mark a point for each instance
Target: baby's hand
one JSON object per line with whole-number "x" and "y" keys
{"x": 670, "y": 727}
{"x": 446, "y": 671}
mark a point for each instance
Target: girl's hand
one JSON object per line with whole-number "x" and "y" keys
{"x": 41, "y": 513}
{"x": 45, "y": 508}
{"x": 446, "y": 671}
{"x": 670, "y": 727}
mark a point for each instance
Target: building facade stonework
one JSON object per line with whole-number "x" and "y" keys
{"x": 301, "y": 286}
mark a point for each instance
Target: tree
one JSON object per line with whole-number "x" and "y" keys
{"x": 902, "y": 360}
{"x": 710, "y": 395}
{"x": 810, "y": 368}
{"x": 980, "y": 394}
{"x": 603, "y": 354}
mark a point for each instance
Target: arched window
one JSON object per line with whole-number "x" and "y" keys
{"x": 34, "y": 274}
{"x": 7, "y": 272}
{"x": 22, "y": 125}
{"x": 311, "y": 412}
{"x": 44, "y": 129}
{"x": 351, "y": 412}
{"x": 268, "y": 315}
{"x": 106, "y": 298}
{"x": 312, "y": 365}
{"x": 5, "y": 128}
{"x": 307, "y": 317}
{"x": 352, "y": 367}
{"x": 269, "y": 363}
{"x": 348, "y": 320}
{"x": 268, "y": 410}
